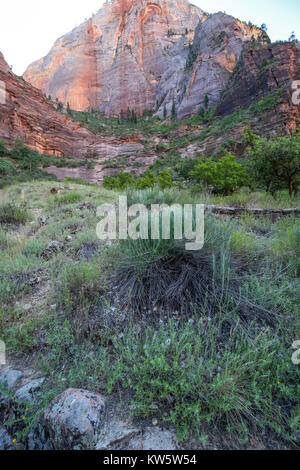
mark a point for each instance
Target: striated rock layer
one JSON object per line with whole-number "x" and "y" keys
{"x": 28, "y": 115}
{"x": 117, "y": 58}
{"x": 262, "y": 71}
{"x": 201, "y": 71}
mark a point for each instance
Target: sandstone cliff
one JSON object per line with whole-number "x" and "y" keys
{"x": 204, "y": 68}
{"x": 261, "y": 71}
{"x": 28, "y": 115}
{"x": 116, "y": 58}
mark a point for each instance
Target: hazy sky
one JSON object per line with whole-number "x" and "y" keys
{"x": 29, "y": 28}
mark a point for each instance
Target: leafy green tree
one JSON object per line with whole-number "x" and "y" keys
{"x": 28, "y": 158}
{"x": 147, "y": 180}
{"x": 224, "y": 176}
{"x": 165, "y": 179}
{"x": 275, "y": 163}
{"x": 185, "y": 167}
{"x": 120, "y": 182}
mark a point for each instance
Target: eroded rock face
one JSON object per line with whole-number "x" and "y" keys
{"x": 28, "y": 115}
{"x": 261, "y": 72}
{"x": 204, "y": 68}
{"x": 74, "y": 419}
{"x": 116, "y": 59}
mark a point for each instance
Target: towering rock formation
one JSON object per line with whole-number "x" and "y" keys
{"x": 262, "y": 71}
{"x": 28, "y": 115}
{"x": 116, "y": 59}
{"x": 200, "y": 72}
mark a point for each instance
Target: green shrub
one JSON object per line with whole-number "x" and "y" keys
{"x": 27, "y": 158}
{"x": 3, "y": 150}
{"x": 275, "y": 163}
{"x": 224, "y": 176}
{"x": 76, "y": 286}
{"x": 152, "y": 196}
{"x": 165, "y": 179}
{"x": 120, "y": 182}
{"x": 7, "y": 168}
{"x": 69, "y": 198}
{"x": 12, "y": 214}
{"x": 147, "y": 180}
{"x": 239, "y": 384}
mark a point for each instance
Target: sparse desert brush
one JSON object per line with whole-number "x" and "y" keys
{"x": 14, "y": 214}
{"x": 163, "y": 273}
{"x": 71, "y": 197}
{"x": 153, "y": 195}
{"x": 207, "y": 372}
{"x": 76, "y": 286}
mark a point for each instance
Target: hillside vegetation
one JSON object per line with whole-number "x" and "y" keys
{"x": 212, "y": 359}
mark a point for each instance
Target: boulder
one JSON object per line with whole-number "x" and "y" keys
{"x": 6, "y": 442}
{"x": 159, "y": 439}
{"x": 74, "y": 419}
{"x": 115, "y": 433}
{"x": 9, "y": 378}
{"x": 28, "y": 392}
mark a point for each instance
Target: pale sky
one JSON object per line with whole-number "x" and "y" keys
{"x": 29, "y": 28}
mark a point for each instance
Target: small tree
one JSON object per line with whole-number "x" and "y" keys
{"x": 60, "y": 106}
{"x": 165, "y": 179}
{"x": 147, "y": 180}
{"x": 173, "y": 112}
{"x": 69, "y": 109}
{"x": 275, "y": 163}
{"x": 165, "y": 112}
{"x": 206, "y": 102}
{"x": 224, "y": 176}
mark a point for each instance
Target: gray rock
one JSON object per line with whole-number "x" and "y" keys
{"x": 38, "y": 438}
{"x": 9, "y": 378}
{"x": 6, "y": 409}
{"x": 43, "y": 219}
{"x": 29, "y": 392}
{"x": 74, "y": 419}
{"x": 27, "y": 307}
{"x": 5, "y": 440}
{"x": 114, "y": 433}
{"x": 159, "y": 439}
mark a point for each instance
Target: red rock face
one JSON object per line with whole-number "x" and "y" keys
{"x": 116, "y": 59}
{"x": 28, "y": 115}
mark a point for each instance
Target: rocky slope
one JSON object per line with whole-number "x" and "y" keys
{"x": 28, "y": 115}
{"x": 262, "y": 71}
{"x": 204, "y": 68}
{"x": 116, "y": 58}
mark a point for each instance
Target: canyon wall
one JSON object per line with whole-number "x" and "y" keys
{"x": 116, "y": 58}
